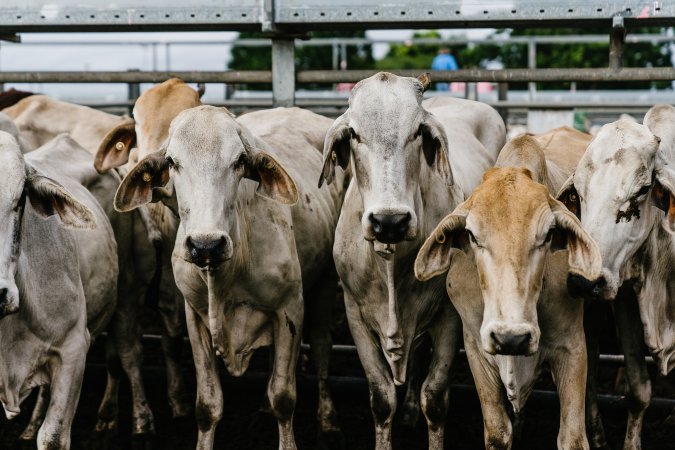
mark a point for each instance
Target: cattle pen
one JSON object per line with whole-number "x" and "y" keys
{"x": 288, "y": 25}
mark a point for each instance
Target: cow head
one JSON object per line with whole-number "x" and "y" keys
{"x": 47, "y": 197}
{"x": 509, "y": 225}
{"x": 207, "y": 155}
{"x": 387, "y": 135}
{"x": 153, "y": 112}
{"x": 612, "y": 192}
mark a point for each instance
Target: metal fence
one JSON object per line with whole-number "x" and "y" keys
{"x": 287, "y": 19}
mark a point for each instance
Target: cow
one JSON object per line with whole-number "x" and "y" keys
{"x": 508, "y": 282}
{"x": 40, "y": 120}
{"x": 411, "y": 161}
{"x": 622, "y": 194}
{"x": 243, "y": 259}
{"x": 122, "y": 146}
{"x": 58, "y": 286}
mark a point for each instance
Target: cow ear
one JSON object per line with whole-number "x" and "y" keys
{"x": 48, "y": 197}
{"x": 663, "y": 196}
{"x": 144, "y": 183}
{"x": 435, "y": 148}
{"x": 114, "y": 149}
{"x": 336, "y": 149}
{"x": 584, "y": 256}
{"x": 273, "y": 180}
{"x": 434, "y": 256}
{"x": 569, "y": 197}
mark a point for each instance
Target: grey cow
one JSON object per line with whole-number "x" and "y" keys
{"x": 244, "y": 259}
{"x": 58, "y": 281}
{"x": 412, "y": 161}
{"x": 622, "y": 192}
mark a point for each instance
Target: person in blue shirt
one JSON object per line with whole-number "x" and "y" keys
{"x": 444, "y": 61}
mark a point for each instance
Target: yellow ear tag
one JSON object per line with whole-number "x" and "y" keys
{"x": 119, "y": 146}
{"x": 440, "y": 238}
{"x": 333, "y": 156}
{"x": 147, "y": 177}
{"x": 573, "y": 198}
{"x": 269, "y": 164}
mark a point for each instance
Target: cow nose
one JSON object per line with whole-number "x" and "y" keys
{"x": 511, "y": 344}
{"x": 206, "y": 252}
{"x": 579, "y": 286}
{"x": 3, "y": 297}
{"x": 390, "y": 228}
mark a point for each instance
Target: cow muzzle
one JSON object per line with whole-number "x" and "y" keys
{"x": 208, "y": 251}
{"x": 506, "y": 339}
{"x": 390, "y": 226}
{"x": 9, "y": 300}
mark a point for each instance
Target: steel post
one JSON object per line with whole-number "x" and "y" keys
{"x": 283, "y": 71}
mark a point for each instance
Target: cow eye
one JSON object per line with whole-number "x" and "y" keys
{"x": 643, "y": 190}
{"x": 239, "y": 163}
{"x": 353, "y": 135}
{"x": 472, "y": 238}
{"x": 549, "y": 237}
{"x": 169, "y": 160}
{"x": 419, "y": 131}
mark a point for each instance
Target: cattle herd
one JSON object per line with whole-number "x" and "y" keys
{"x": 248, "y": 224}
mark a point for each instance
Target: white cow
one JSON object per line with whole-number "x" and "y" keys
{"x": 40, "y": 120}
{"x": 58, "y": 278}
{"x": 245, "y": 263}
{"x": 412, "y": 161}
{"x": 617, "y": 184}
{"x": 508, "y": 283}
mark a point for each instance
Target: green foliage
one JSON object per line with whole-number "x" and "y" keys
{"x": 419, "y": 56}
{"x": 306, "y": 58}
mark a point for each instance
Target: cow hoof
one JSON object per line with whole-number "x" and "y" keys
{"x": 106, "y": 425}
{"x": 29, "y": 434}
{"x": 143, "y": 441}
{"x": 331, "y": 440}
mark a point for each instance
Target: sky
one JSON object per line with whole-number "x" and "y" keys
{"x": 129, "y": 52}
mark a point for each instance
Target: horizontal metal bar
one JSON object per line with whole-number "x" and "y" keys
{"x": 351, "y": 76}
{"x": 228, "y": 76}
{"x": 351, "y": 350}
{"x": 501, "y": 76}
{"x": 317, "y": 41}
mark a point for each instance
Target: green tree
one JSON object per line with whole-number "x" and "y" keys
{"x": 582, "y": 55}
{"x": 306, "y": 58}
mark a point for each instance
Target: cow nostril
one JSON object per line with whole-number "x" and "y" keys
{"x": 377, "y": 225}
{"x": 3, "y": 295}
{"x": 511, "y": 344}
{"x": 390, "y": 228}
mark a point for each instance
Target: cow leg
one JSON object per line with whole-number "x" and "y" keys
{"x": 319, "y": 308}
{"x": 380, "y": 382}
{"x": 569, "y": 373}
{"x": 436, "y": 387}
{"x": 410, "y": 409}
{"x": 209, "y": 407}
{"x": 281, "y": 389}
{"x": 127, "y": 340}
{"x": 631, "y": 336}
{"x": 593, "y": 315}
{"x": 109, "y": 409}
{"x": 38, "y": 416}
{"x": 171, "y": 310}
{"x": 66, "y": 381}
{"x": 498, "y": 432}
